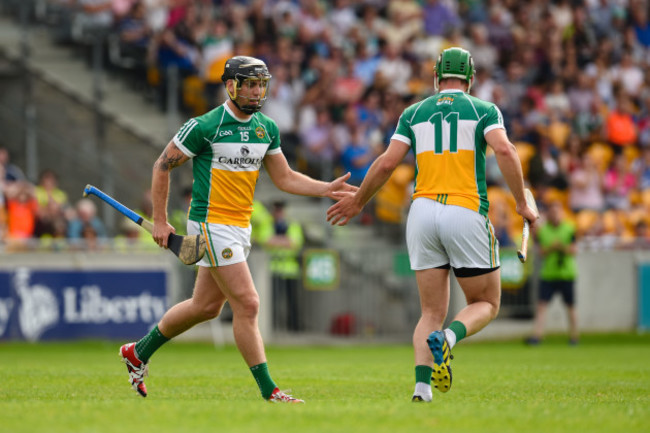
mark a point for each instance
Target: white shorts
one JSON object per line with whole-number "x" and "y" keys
{"x": 439, "y": 235}
{"x": 225, "y": 245}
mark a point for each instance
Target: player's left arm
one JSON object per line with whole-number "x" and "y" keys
{"x": 293, "y": 182}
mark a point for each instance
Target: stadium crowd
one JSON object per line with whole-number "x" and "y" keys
{"x": 571, "y": 77}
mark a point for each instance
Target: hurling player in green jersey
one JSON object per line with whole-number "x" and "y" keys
{"x": 447, "y": 226}
{"x": 227, "y": 145}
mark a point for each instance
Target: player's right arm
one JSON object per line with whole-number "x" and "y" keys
{"x": 510, "y": 165}
{"x": 350, "y": 204}
{"x": 170, "y": 158}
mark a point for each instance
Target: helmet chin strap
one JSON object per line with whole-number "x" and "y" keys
{"x": 246, "y": 109}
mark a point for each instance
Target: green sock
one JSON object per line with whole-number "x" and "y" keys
{"x": 263, "y": 379}
{"x": 149, "y": 344}
{"x": 423, "y": 374}
{"x": 459, "y": 329}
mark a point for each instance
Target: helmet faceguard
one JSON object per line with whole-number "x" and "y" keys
{"x": 247, "y": 71}
{"x": 455, "y": 63}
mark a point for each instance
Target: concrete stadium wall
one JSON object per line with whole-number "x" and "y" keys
{"x": 606, "y": 297}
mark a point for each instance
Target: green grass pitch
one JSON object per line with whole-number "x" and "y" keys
{"x": 603, "y": 385}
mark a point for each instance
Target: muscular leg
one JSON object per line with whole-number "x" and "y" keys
{"x": 236, "y": 283}
{"x": 483, "y": 295}
{"x": 433, "y": 285}
{"x": 206, "y": 303}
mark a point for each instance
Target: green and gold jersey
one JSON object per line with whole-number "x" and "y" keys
{"x": 227, "y": 155}
{"x": 447, "y": 134}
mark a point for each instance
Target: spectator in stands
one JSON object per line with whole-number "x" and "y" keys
{"x": 404, "y": 22}
{"x": 11, "y": 171}
{"x": 643, "y": 117}
{"x": 544, "y": 167}
{"x": 93, "y": 19}
{"x": 240, "y": 29}
{"x": 157, "y": 14}
{"x": 585, "y": 186}
{"x": 85, "y": 217}
{"x": 557, "y": 101}
{"x": 595, "y": 49}
{"x": 342, "y": 16}
{"x": 438, "y": 17}
{"x": 283, "y": 100}
{"x": 485, "y": 85}
{"x": 343, "y": 130}
{"x": 286, "y": 19}
{"x": 590, "y": 124}
{"x": 487, "y": 55}
{"x": 620, "y": 129}
{"x": 135, "y": 38}
{"x": 556, "y": 239}
{"x": 619, "y": 181}
{"x": 177, "y": 50}
{"x": 90, "y": 239}
{"x": 641, "y": 168}
{"x": 394, "y": 70}
{"x": 581, "y": 94}
{"x": 22, "y": 211}
{"x": 628, "y": 74}
{"x": 357, "y": 155}
{"x": 601, "y": 14}
{"x": 369, "y": 110}
{"x": 641, "y": 24}
{"x": 317, "y": 149}
{"x": 217, "y": 46}
{"x": 52, "y": 202}
{"x": 122, "y": 8}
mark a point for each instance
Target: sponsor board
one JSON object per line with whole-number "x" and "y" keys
{"x": 40, "y": 305}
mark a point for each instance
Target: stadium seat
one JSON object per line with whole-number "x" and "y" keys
{"x": 632, "y": 153}
{"x": 558, "y": 132}
{"x": 602, "y": 153}
{"x": 585, "y": 221}
{"x": 525, "y": 151}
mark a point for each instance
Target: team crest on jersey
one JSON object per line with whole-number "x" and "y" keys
{"x": 445, "y": 100}
{"x": 259, "y": 131}
{"x": 226, "y": 253}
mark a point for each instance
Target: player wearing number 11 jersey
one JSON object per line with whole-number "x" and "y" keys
{"x": 447, "y": 226}
{"x": 447, "y": 135}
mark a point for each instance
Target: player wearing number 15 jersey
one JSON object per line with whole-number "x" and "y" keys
{"x": 228, "y": 146}
{"x": 447, "y": 226}
{"x": 227, "y": 153}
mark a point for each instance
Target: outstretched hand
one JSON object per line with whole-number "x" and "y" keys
{"x": 339, "y": 185}
{"x": 346, "y": 208}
